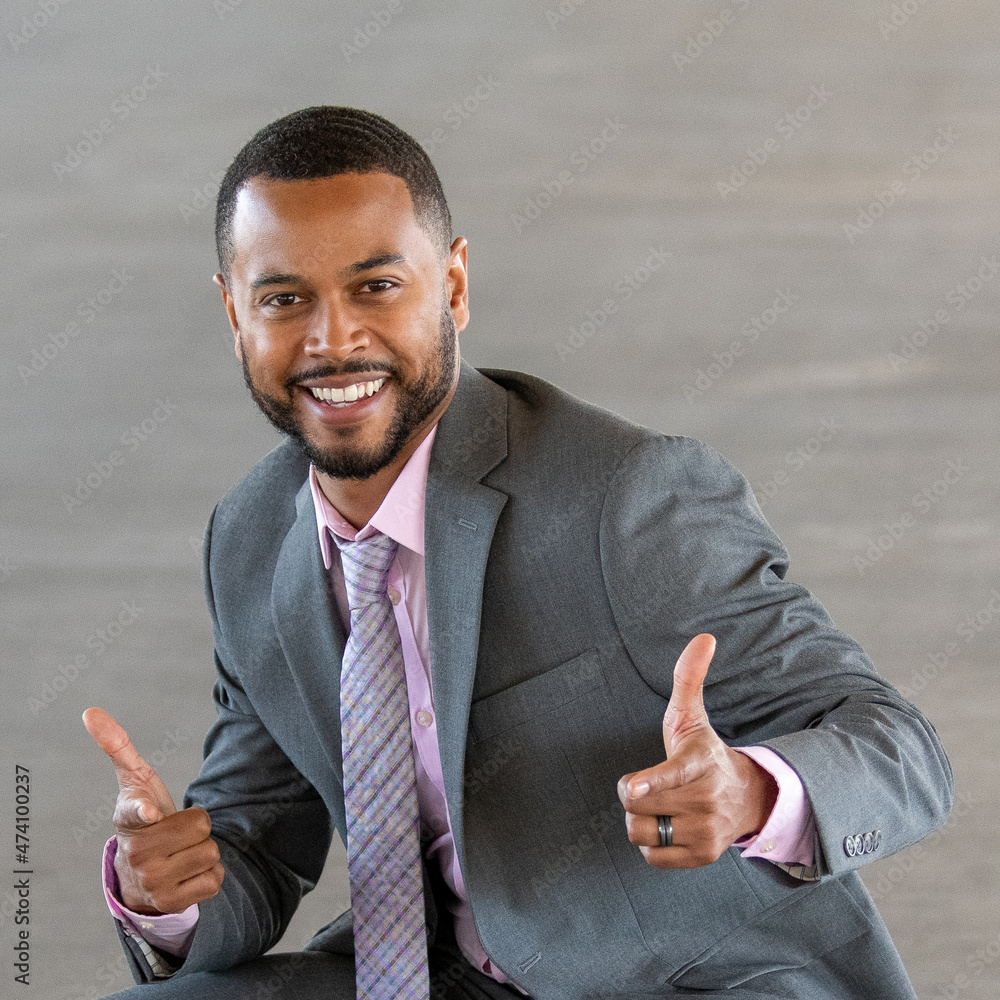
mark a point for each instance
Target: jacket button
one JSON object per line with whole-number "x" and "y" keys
{"x": 859, "y": 844}
{"x": 849, "y": 847}
{"x": 876, "y": 839}
{"x": 869, "y": 843}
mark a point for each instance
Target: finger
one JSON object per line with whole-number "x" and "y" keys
{"x": 176, "y": 897}
{"x": 133, "y": 812}
{"x": 693, "y": 853}
{"x": 660, "y": 790}
{"x": 695, "y": 842}
{"x": 644, "y": 831}
{"x": 690, "y": 671}
{"x": 624, "y": 792}
{"x": 190, "y": 862}
{"x": 686, "y": 708}
{"x": 114, "y": 741}
{"x": 675, "y": 857}
{"x": 170, "y": 835}
{"x": 199, "y": 888}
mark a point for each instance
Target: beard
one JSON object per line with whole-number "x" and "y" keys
{"x": 415, "y": 401}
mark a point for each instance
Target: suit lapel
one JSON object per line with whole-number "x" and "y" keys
{"x": 309, "y": 628}
{"x": 459, "y": 519}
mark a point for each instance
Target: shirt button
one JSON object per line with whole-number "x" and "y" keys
{"x": 768, "y": 847}
{"x": 393, "y": 595}
{"x": 146, "y": 925}
{"x": 424, "y": 717}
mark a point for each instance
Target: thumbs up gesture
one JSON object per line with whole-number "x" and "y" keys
{"x": 166, "y": 859}
{"x": 713, "y": 795}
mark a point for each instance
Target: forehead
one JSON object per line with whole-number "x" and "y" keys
{"x": 324, "y": 218}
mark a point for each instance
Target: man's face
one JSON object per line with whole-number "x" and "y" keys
{"x": 336, "y": 291}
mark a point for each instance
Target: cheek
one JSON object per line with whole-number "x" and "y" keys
{"x": 269, "y": 356}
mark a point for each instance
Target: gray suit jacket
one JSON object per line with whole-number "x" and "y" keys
{"x": 570, "y": 556}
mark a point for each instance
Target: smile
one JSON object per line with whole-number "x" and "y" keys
{"x": 349, "y": 394}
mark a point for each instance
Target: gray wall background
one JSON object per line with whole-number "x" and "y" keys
{"x": 901, "y": 404}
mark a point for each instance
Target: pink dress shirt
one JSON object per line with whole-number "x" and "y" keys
{"x": 787, "y": 836}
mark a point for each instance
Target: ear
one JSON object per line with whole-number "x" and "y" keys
{"x": 230, "y": 305}
{"x": 457, "y": 282}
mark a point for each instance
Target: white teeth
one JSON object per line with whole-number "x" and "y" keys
{"x": 349, "y": 394}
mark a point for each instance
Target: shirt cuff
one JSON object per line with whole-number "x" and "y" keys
{"x": 171, "y": 932}
{"x": 787, "y": 836}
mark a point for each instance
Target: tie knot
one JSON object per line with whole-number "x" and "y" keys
{"x": 366, "y": 567}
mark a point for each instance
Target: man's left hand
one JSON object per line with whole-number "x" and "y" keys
{"x": 712, "y": 794}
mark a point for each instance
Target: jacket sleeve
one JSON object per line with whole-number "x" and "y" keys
{"x": 685, "y": 549}
{"x": 272, "y": 828}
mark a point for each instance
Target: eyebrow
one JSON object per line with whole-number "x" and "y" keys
{"x": 378, "y": 260}
{"x": 274, "y": 279}
{"x": 358, "y": 267}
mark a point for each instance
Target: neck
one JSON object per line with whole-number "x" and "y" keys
{"x": 356, "y": 500}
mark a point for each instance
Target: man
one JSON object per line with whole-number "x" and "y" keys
{"x": 542, "y": 656}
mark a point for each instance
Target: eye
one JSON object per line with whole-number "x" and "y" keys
{"x": 273, "y": 299}
{"x": 379, "y": 285}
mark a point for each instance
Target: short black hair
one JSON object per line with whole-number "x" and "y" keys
{"x": 325, "y": 140}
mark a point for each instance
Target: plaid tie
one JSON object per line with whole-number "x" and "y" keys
{"x": 380, "y": 787}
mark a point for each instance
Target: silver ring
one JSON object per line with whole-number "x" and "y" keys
{"x": 666, "y": 831}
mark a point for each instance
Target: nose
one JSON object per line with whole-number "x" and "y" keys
{"x": 335, "y": 333}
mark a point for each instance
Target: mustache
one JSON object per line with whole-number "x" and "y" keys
{"x": 360, "y": 366}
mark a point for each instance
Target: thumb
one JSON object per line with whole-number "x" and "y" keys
{"x": 686, "y": 708}
{"x": 143, "y": 798}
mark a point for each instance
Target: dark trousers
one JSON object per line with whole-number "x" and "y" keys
{"x": 320, "y": 975}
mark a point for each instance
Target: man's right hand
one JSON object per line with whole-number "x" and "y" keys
{"x": 166, "y": 860}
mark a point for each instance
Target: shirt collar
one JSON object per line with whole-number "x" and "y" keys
{"x": 400, "y": 515}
